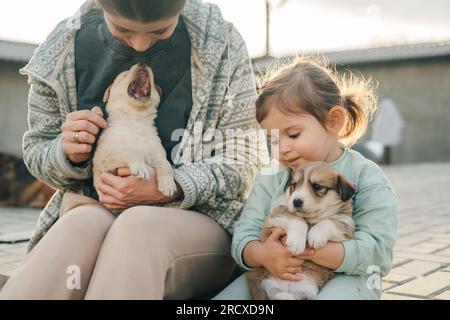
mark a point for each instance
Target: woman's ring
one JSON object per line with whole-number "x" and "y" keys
{"x": 77, "y": 137}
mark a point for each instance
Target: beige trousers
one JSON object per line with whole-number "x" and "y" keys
{"x": 145, "y": 253}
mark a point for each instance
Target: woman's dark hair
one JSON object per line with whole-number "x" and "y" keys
{"x": 142, "y": 10}
{"x": 308, "y": 85}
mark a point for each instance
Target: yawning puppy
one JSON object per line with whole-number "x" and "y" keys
{"x": 316, "y": 209}
{"x": 131, "y": 139}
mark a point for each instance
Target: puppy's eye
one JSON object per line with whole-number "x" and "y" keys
{"x": 317, "y": 187}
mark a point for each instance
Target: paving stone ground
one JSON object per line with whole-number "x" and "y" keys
{"x": 421, "y": 268}
{"x": 422, "y": 253}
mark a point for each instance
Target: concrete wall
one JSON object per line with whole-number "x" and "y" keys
{"x": 13, "y": 108}
{"x": 421, "y": 90}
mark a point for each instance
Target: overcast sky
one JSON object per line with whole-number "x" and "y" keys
{"x": 299, "y": 25}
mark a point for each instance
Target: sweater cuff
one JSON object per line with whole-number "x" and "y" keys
{"x": 65, "y": 168}
{"x": 351, "y": 258}
{"x": 188, "y": 186}
{"x": 240, "y": 249}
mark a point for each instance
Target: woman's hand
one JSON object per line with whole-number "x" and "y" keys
{"x": 79, "y": 132}
{"x": 125, "y": 190}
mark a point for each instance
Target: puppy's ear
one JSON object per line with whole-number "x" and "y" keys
{"x": 345, "y": 188}
{"x": 107, "y": 93}
{"x": 295, "y": 178}
{"x": 288, "y": 183}
{"x": 159, "y": 90}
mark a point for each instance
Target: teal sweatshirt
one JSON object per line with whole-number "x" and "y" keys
{"x": 374, "y": 213}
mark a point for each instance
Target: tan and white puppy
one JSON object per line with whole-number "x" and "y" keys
{"x": 131, "y": 139}
{"x": 316, "y": 209}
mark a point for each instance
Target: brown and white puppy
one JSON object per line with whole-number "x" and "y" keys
{"x": 131, "y": 139}
{"x": 316, "y": 209}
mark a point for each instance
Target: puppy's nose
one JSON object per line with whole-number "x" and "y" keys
{"x": 298, "y": 203}
{"x": 142, "y": 66}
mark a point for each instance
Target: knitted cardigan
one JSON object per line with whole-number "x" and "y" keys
{"x": 223, "y": 93}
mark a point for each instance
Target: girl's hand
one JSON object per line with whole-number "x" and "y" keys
{"x": 125, "y": 190}
{"x": 79, "y": 132}
{"x": 278, "y": 260}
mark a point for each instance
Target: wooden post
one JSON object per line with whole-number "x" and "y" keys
{"x": 267, "y": 28}
{"x": 387, "y": 155}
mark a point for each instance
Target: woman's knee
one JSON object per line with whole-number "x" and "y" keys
{"x": 87, "y": 217}
{"x": 140, "y": 222}
{"x": 170, "y": 228}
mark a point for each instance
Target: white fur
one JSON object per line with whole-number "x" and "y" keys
{"x": 296, "y": 231}
{"x": 322, "y": 232}
{"x": 278, "y": 289}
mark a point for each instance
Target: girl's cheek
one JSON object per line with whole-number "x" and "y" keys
{"x": 298, "y": 147}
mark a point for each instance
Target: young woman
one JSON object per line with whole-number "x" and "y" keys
{"x": 177, "y": 247}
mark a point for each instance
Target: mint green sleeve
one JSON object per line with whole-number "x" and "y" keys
{"x": 250, "y": 224}
{"x": 375, "y": 216}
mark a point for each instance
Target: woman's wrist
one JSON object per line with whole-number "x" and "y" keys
{"x": 78, "y": 164}
{"x": 177, "y": 195}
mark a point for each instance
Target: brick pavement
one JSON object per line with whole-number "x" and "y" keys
{"x": 422, "y": 253}
{"x": 421, "y": 268}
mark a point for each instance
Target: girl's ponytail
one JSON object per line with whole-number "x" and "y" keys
{"x": 359, "y": 99}
{"x": 309, "y": 85}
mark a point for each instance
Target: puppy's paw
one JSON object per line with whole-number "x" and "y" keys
{"x": 167, "y": 186}
{"x": 296, "y": 243}
{"x": 317, "y": 238}
{"x": 140, "y": 170}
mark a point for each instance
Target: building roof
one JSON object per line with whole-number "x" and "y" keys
{"x": 372, "y": 55}
{"x": 22, "y": 52}
{"x": 16, "y": 51}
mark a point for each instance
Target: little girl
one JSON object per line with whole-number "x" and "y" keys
{"x": 312, "y": 114}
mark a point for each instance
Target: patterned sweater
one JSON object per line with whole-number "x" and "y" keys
{"x": 223, "y": 93}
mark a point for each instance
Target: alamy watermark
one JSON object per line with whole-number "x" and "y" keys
{"x": 373, "y": 281}
{"x": 225, "y": 146}
{"x": 73, "y": 281}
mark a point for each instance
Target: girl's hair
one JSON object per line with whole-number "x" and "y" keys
{"x": 308, "y": 86}
{"x": 142, "y": 10}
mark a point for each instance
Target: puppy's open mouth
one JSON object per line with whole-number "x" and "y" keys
{"x": 140, "y": 87}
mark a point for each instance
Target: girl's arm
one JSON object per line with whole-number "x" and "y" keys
{"x": 330, "y": 256}
{"x": 273, "y": 256}
{"x": 371, "y": 248}
{"x": 248, "y": 228}
{"x": 253, "y": 253}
